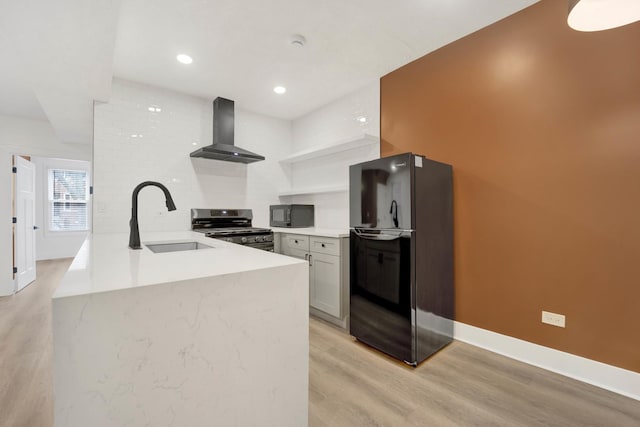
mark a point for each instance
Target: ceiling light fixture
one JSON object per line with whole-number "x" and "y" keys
{"x": 154, "y": 109}
{"x": 362, "y": 119}
{"x": 279, "y": 90}
{"x": 598, "y": 15}
{"x": 184, "y": 59}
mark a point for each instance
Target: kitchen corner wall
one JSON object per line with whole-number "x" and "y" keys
{"x": 541, "y": 124}
{"x": 133, "y": 144}
{"x": 333, "y": 123}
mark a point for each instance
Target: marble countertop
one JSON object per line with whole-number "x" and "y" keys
{"x": 314, "y": 231}
{"x": 105, "y": 263}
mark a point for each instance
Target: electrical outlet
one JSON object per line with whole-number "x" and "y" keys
{"x": 553, "y": 319}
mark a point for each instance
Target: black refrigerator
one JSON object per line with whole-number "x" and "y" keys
{"x": 401, "y": 266}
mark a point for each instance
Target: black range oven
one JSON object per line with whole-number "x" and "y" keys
{"x": 231, "y": 225}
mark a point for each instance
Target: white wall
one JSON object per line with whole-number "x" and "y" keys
{"x": 6, "y": 228}
{"x": 328, "y": 125}
{"x": 33, "y": 138}
{"x": 52, "y": 245}
{"x": 30, "y": 137}
{"x": 162, "y": 154}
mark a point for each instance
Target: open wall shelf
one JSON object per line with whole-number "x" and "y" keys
{"x": 360, "y": 141}
{"x": 315, "y": 190}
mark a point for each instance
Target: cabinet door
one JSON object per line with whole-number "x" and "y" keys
{"x": 324, "y": 292}
{"x": 296, "y": 253}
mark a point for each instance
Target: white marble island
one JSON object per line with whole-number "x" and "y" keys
{"x": 210, "y": 337}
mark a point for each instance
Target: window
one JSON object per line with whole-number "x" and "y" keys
{"x": 68, "y": 200}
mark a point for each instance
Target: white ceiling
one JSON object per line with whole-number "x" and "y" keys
{"x": 58, "y": 55}
{"x": 67, "y": 51}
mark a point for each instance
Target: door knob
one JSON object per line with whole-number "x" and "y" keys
{"x": 35, "y": 227}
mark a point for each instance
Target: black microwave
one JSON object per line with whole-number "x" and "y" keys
{"x": 291, "y": 215}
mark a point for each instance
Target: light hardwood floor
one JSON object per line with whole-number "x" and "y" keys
{"x": 350, "y": 384}
{"x": 26, "y": 388}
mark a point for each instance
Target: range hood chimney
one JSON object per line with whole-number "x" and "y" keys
{"x": 223, "y": 147}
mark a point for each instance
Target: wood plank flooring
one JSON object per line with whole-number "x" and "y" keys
{"x": 350, "y": 384}
{"x": 354, "y": 385}
{"x": 26, "y": 388}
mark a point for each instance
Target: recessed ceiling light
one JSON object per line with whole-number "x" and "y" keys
{"x": 362, "y": 119}
{"x": 154, "y": 109}
{"x": 279, "y": 89}
{"x": 184, "y": 59}
{"x": 194, "y": 143}
{"x": 136, "y": 135}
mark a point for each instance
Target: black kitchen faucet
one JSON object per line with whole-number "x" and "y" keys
{"x": 134, "y": 233}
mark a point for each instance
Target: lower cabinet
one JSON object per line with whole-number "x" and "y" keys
{"x": 324, "y": 283}
{"x": 328, "y": 273}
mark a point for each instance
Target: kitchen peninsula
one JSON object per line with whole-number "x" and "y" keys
{"x": 214, "y": 336}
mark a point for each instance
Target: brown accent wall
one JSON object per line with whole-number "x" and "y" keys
{"x": 542, "y": 126}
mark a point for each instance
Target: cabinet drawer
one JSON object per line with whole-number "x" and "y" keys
{"x": 325, "y": 245}
{"x": 295, "y": 241}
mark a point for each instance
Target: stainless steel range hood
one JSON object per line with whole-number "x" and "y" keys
{"x": 223, "y": 147}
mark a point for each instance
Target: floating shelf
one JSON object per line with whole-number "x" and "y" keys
{"x": 360, "y": 141}
{"x": 316, "y": 190}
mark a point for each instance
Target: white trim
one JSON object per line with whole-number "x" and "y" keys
{"x": 599, "y": 374}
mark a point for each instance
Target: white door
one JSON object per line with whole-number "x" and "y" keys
{"x": 25, "y": 211}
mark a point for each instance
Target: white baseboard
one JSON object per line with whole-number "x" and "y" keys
{"x": 599, "y": 374}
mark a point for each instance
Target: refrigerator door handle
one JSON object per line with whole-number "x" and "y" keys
{"x": 377, "y": 236}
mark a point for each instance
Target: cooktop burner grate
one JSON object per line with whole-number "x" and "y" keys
{"x": 231, "y": 225}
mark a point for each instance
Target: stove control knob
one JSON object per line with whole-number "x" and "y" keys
{"x": 259, "y": 239}
{"x": 243, "y": 240}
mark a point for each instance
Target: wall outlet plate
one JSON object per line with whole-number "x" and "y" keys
{"x": 553, "y": 319}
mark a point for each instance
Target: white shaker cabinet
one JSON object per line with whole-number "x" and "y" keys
{"x": 328, "y": 259}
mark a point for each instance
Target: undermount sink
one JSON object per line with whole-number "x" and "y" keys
{"x": 158, "y": 248}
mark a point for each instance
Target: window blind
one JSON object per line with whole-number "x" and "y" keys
{"x": 68, "y": 200}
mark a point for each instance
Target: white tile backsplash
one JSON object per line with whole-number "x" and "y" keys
{"x": 133, "y": 144}
{"x": 337, "y": 121}
{"x": 333, "y": 123}
{"x": 161, "y": 153}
